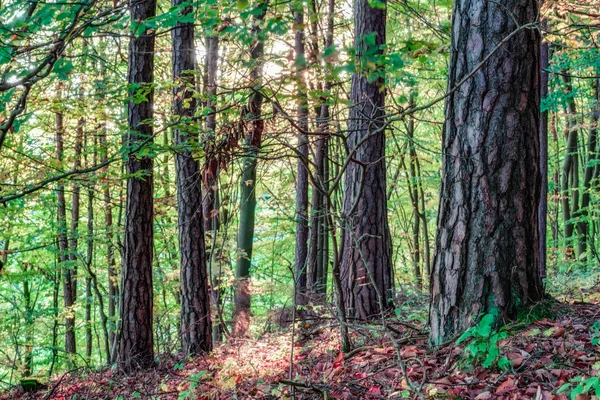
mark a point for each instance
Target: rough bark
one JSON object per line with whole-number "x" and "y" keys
{"x": 487, "y": 258}
{"x": 136, "y": 341}
{"x": 251, "y": 147}
{"x": 196, "y": 336}
{"x": 366, "y": 269}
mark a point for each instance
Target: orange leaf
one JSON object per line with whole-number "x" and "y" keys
{"x": 339, "y": 358}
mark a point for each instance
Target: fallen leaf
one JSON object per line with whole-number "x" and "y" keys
{"x": 484, "y": 395}
{"x": 339, "y": 358}
{"x": 506, "y": 386}
{"x": 515, "y": 358}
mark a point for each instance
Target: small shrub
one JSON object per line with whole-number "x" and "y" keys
{"x": 483, "y": 344}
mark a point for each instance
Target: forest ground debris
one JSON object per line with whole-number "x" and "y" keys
{"x": 546, "y": 355}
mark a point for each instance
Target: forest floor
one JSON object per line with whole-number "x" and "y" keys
{"x": 547, "y": 357}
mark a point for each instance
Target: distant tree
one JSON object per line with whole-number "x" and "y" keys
{"x": 211, "y": 167}
{"x": 486, "y": 259}
{"x": 63, "y": 245}
{"x": 301, "y": 249}
{"x": 136, "y": 341}
{"x": 318, "y": 248}
{"x": 251, "y": 147}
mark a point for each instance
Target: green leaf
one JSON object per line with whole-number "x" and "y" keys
{"x": 467, "y": 334}
{"x": 484, "y": 328}
{"x": 564, "y": 388}
{"x": 378, "y": 4}
{"x": 396, "y": 61}
{"x": 504, "y": 363}
{"x": 138, "y": 27}
{"x": 329, "y": 51}
{"x": 62, "y": 68}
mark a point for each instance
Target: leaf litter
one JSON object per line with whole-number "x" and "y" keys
{"x": 545, "y": 355}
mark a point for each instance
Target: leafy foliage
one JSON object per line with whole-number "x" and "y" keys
{"x": 483, "y": 346}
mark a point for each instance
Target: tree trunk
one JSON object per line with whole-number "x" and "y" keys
{"x": 55, "y": 295}
{"x": 583, "y": 226}
{"x": 73, "y": 239}
{"x": 63, "y": 244}
{"x": 423, "y": 217}
{"x": 413, "y": 189}
{"x": 301, "y": 251}
{"x": 136, "y": 341}
{"x": 251, "y": 147}
{"x": 318, "y": 248}
{"x": 92, "y": 283}
{"x": 29, "y": 325}
{"x": 543, "y": 207}
{"x": 366, "y": 268}
{"x": 113, "y": 278}
{"x": 196, "y": 336}
{"x": 487, "y": 250}
{"x": 211, "y": 167}
{"x": 570, "y": 173}
{"x": 89, "y": 262}
{"x": 210, "y": 174}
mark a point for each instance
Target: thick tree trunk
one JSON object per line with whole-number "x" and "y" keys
{"x": 136, "y": 341}
{"x": 366, "y": 268}
{"x": 251, "y": 147}
{"x": 196, "y": 336}
{"x": 301, "y": 252}
{"x": 63, "y": 244}
{"x": 487, "y": 250}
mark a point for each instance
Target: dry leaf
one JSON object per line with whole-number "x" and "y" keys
{"x": 507, "y": 386}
